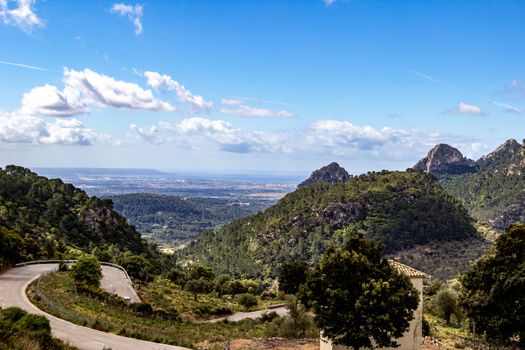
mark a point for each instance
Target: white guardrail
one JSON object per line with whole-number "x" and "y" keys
{"x": 35, "y": 262}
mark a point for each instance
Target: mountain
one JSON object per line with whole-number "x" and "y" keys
{"x": 170, "y": 219}
{"x": 44, "y": 218}
{"x": 407, "y": 211}
{"x": 445, "y": 159}
{"x": 492, "y": 189}
{"x": 332, "y": 173}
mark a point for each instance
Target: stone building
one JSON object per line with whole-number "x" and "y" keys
{"x": 413, "y": 337}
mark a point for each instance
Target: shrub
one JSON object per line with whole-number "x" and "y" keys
{"x": 87, "y": 270}
{"x": 31, "y": 322}
{"x": 268, "y": 316}
{"x": 247, "y": 300}
{"x": 143, "y": 309}
{"x": 268, "y": 294}
{"x": 13, "y": 314}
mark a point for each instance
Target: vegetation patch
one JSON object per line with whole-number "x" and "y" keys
{"x": 58, "y": 295}
{"x": 20, "y": 330}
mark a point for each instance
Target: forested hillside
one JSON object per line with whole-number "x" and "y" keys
{"x": 170, "y": 219}
{"x": 492, "y": 189}
{"x": 404, "y": 210}
{"x": 46, "y": 218}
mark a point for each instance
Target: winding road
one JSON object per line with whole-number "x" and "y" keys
{"x": 238, "y": 316}
{"x": 13, "y": 285}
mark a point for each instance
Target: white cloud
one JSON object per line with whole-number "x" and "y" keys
{"x": 329, "y": 2}
{"x": 133, "y": 12}
{"x": 324, "y": 137}
{"x": 237, "y": 107}
{"x": 515, "y": 90}
{"x": 465, "y": 108}
{"x": 82, "y": 88}
{"x": 17, "y": 128}
{"x": 22, "y": 16}
{"x": 107, "y": 91}
{"x": 160, "y": 82}
{"x": 48, "y": 100}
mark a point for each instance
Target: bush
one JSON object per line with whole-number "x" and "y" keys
{"x": 268, "y": 316}
{"x": 87, "y": 270}
{"x": 268, "y": 294}
{"x": 247, "y": 300}
{"x": 143, "y": 309}
{"x": 13, "y": 314}
{"x": 31, "y": 322}
{"x": 299, "y": 324}
{"x": 137, "y": 267}
{"x": 63, "y": 266}
{"x": 426, "y": 328}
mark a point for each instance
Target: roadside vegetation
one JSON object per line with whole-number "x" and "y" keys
{"x": 20, "y": 330}
{"x": 168, "y": 313}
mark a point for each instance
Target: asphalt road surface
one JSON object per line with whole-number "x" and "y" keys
{"x": 238, "y": 316}
{"x": 13, "y": 284}
{"x": 114, "y": 281}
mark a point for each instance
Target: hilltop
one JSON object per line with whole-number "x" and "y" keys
{"x": 44, "y": 218}
{"x": 407, "y": 211}
{"x": 332, "y": 173}
{"x": 491, "y": 188}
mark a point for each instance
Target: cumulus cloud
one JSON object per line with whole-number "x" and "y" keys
{"x": 465, "y": 108}
{"x": 22, "y": 15}
{"x": 48, "y": 100}
{"x": 82, "y": 88}
{"x": 165, "y": 82}
{"x": 238, "y": 107}
{"x": 336, "y": 137}
{"x": 133, "y": 12}
{"x": 17, "y": 128}
{"x": 199, "y": 132}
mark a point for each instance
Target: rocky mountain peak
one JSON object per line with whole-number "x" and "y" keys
{"x": 444, "y": 158}
{"x": 332, "y": 173}
{"x": 501, "y": 156}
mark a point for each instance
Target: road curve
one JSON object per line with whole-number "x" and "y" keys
{"x": 238, "y": 316}
{"x": 115, "y": 281}
{"x": 13, "y": 285}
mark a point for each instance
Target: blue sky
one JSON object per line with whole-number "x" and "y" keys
{"x": 280, "y": 86}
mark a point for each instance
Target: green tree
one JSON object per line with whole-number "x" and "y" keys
{"x": 137, "y": 267}
{"x": 494, "y": 286}
{"x": 197, "y": 286}
{"x": 198, "y": 271}
{"x": 177, "y": 276}
{"x": 358, "y": 299}
{"x": 87, "y": 271}
{"x": 447, "y": 304}
{"x": 247, "y": 300}
{"x": 291, "y": 276}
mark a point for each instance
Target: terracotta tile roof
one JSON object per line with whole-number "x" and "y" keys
{"x": 406, "y": 270}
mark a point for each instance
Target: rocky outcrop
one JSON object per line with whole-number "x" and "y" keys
{"x": 501, "y": 157}
{"x": 332, "y": 173}
{"x": 445, "y": 159}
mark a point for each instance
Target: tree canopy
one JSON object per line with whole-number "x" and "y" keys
{"x": 87, "y": 271}
{"x": 494, "y": 288}
{"x": 291, "y": 276}
{"x": 358, "y": 299}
